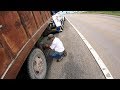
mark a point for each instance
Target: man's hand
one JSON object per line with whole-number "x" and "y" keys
{"x": 47, "y": 46}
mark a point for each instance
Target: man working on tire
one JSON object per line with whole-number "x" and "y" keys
{"x": 58, "y": 50}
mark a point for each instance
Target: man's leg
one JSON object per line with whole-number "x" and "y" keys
{"x": 56, "y": 55}
{"x": 61, "y": 57}
{"x": 58, "y": 29}
{"x": 61, "y": 27}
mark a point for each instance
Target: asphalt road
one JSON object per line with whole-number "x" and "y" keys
{"x": 79, "y": 62}
{"x": 103, "y": 33}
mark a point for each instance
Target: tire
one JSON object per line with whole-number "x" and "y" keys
{"x": 37, "y": 70}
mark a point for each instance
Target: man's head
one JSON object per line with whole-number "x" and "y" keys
{"x": 50, "y": 36}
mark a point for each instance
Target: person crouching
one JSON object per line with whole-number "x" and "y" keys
{"x": 56, "y": 46}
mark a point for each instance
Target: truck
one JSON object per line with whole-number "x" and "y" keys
{"x": 19, "y": 33}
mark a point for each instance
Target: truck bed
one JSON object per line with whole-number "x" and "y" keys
{"x": 19, "y": 32}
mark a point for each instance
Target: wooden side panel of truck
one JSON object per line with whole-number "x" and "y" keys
{"x": 19, "y": 32}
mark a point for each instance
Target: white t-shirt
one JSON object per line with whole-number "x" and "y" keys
{"x": 56, "y": 20}
{"x": 57, "y": 45}
{"x": 61, "y": 15}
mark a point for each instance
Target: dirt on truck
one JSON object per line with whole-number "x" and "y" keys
{"x": 19, "y": 33}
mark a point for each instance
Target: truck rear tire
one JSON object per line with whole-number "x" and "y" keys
{"x": 37, "y": 66}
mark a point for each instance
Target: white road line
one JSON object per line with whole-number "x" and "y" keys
{"x": 103, "y": 67}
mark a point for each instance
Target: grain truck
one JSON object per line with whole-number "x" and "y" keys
{"x": 19, "y": 33}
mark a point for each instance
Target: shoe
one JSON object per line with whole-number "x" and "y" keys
{"x": 59, "y": 59}
{"x": 61, "y": 30}
{"x": 64, "y": 53}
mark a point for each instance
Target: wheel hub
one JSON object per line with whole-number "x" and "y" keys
{"x": 38, "y": 65}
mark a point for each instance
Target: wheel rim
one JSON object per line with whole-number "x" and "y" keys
{"x": 38, "y": 66}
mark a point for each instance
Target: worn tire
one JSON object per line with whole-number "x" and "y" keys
{"x": 37, "y": 53}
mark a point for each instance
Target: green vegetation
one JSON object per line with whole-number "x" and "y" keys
{"x": 117, "y": 13}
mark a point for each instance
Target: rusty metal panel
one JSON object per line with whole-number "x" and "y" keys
{"x": 12, "y": 31}
{"x": 16, "y": 66}
{"x": 14, "y": 69}
{"x": 45, "y": 12}
{"x": 49, "y": 14}
{"x": 28, "y": 22}
{"x": 1, "y": 45}
{"x": 43, "y": 16}
{"x": 13, "y": 37}
{"x": 38, "y": 18}
{"x": 4, "y": 60}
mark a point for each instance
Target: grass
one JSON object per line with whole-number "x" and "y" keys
{"x": 116, "y": 13}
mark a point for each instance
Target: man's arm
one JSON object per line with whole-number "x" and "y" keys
{"x": 47, "y": 46}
